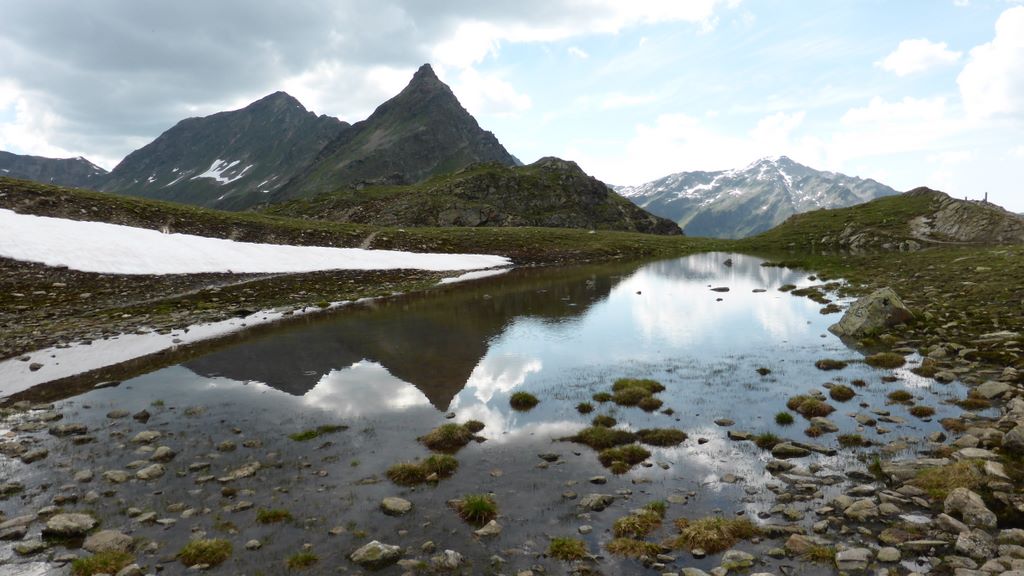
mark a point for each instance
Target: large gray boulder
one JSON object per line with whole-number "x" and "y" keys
{"x": 1013, "y": 441}
{"x": 108, "y": 541}
{"x": 69, "y": 525}
{"x": 376, "y": 555}
{"x": 871, "y": 314}
{"x": 970, "y": 507}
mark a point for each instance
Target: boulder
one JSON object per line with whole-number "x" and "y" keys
{"x": 992, "y": 389}
{"x": 1013, "y": 441}
{"x": 395, "y": 506}
{"x": 736, "y": 560}
{"x": 150, "y": 472}
{"x": 875, "y": 312}
{"x": 108, "y": 541}
{"x": 69, "y": 525}
{"x": 596, "y": 502}
{"x": 853, "y": 559}
{"x": 970, "y": 507}
{"x": 376, "y": 555}
{"x": 976, "y": 544}
{"x": 862, "y": 510}
{"x": 787, "y": 450}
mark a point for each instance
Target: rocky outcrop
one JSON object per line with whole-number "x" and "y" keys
{"x": 974, "y": 222}
{"x": 875, "y": 312}
{"x": 550, "y": 193}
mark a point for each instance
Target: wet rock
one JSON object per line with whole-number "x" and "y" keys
{"x": 253, "y": 544}
{"x": 824, "y": 424}
{"x": 142, "y": 416}
{"x": 1013, "y": 441}
{"x": 64, "y": 430}
{"x": 598, "y": 480}
{"x": 246, "y": 470}
{"x": 163, "y": 454}
{"x": 853, "y": 559}
{"x": 724, "y": 422}
{"x": 736, "y": 560}
{"x": 992, "y": 389}
{"x": 888, "y": 554}
{"x": 150, "y": 472}
{"x": 787, "y": 450}
{"x": 83, "y": 475}
{"x": 146, "y": 437}
{"x": 872, "y": 313}
{"x": 376, "y": 555}
{"x": 596, "y": 502}
{"x": 117, "y": 414}
{"x": 970, "y": 507}
{"x": 689, "y": 571}
{"x": 115, "y": 476}
{"x": 34, "y": 455}
{"x": 108, "y": 541}
{"x": 739, "y": 435}
{"x": 30, "y": 547}
{"x": 395, "y": 506}
{"x": 974, "y": 454}
{"x": 947, "y": 523}
{"x": 492, "y": 528}
{"x": 130, "y": 570}
{"x": 976, "y": 544}
{"x": 69, "y": 525}
{"x": 227, "y": 446}
{"x": 776, "y": 466}
{"x": 548, "y": 456}
{"x": 862, "y": 510}
{"x": 447, "y": 560}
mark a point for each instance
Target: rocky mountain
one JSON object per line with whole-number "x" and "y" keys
{"x": 549, "y": 193}
{"x": 905, "y": 222}
{"x": 74, "y": 172}
{"x": 230, "y": 160}
{"x": 421, "y": 132}
{"x": 744, "y": 202}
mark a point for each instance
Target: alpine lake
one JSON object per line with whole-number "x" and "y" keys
{"x": 328, "y": 403}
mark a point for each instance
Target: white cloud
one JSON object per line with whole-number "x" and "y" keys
{"x": 577, "y": 52}
{"x": 918, "y": 55}
{"x": 488, "y": 94}
{"x": 616, "y": 100}
{"x": 992, "y": 82}
{"x": 1018, "y": 151}
{"x": 962, "y": 3}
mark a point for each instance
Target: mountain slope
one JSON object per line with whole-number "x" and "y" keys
{"x": 74, "y": 172}
{"x": 548, "y": 193}
{"x": 229, "y": 160}
{"x": 421, "y": 132}
{"x": 738, "y": 203}
{"x": 904, "y": 222}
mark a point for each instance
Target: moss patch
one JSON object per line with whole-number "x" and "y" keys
{"x": 632, "y": 548}
{"x": 567, "y": 549}
{"x": 211, "y": 551}
{"x": 317, "y": 432}
{"x": 523, "y": 401}
{"x": 830, "y": 364}
{"x": 447, "y": 437}
{"x": 713, "y": 534}
{"x": 885, "y": 360}
{"x": 109, "y": 562}
{"x": 477, "y": 509}
{"x": 841, "y": 393}
{"x": 661, "y": 436}
{"x": 942, "y": 480}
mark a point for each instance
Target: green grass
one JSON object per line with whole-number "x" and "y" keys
{"x": 413, "y": 473}
{"x": 622, "y": 459}
{"x": 659, "y": 507}
{"x": 850, "y": 440}
{"x": 830, "y": 364}
{"x": 109, "y": 562}
{"x": 584, "y": 407}
{"x": 841, "y": 393}
{"x": 661, "y": 436}
{"x": 522, "y": 401}
{"x": 474, "y": 426}
{"x": 783, "y": 418}
{"x": 317, "y": 432}
{"x": 767, "y": 440}
{"x": 273, "y": 515}
{"x": 444, "y": 465}
{"x": 301, "y": 560}
{"x": 477, "y": 509}
{"x": 809, "y": 406}
{"x": 602, "y": 397}
{"x": 713, "y": 534}
{"x": 820, "y": 555}
{"x": 649, "y": 404}
{"x": 206, "y": 551}
{"x": 885, "y": 360}
{"x": 567, "y": 549}
{"x": 636, "y": 525}
{"x": 632, "y": 548}
{"x": 922, "y": 411}
{"x": 938, "y": 482}
{"x": 601, "y": 437}
{"x": 447, "y": 437}
{"x": 651, "y": 386}
{"x": 900, "y": 396}
{"x": 604, "y": 421}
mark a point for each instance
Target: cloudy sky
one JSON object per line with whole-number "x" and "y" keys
{"x": 915, "y": 92}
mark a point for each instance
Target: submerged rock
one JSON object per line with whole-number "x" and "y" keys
{"x": 875, "y": 312}
{"x": 376, "y": 555}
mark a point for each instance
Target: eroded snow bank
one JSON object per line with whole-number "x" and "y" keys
{"x": 115, "y": 249}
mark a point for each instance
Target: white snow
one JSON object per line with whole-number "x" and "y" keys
{"x": 473, "y": 276}
{"x": 5, "y": 170}
{"x": 114, "y": 249}
{"x": 219, "y": 167}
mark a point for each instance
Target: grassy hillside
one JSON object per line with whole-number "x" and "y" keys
{"x": 548, "y": 193}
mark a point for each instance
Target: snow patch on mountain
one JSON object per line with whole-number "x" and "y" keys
{"x": 219, "y": 167}
{"x": 115, "y": 249}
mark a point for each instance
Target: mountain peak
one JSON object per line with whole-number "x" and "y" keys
{"x": 425, "y": 72}
{"x": 277, "y": 99}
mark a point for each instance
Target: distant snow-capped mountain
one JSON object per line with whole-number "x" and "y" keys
{"x": 744, "y": 202}
{"x": 75, "y": 172}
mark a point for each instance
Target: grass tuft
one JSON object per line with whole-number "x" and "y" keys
{"x": 713, "y": 534}
{"x": 783, "y": 418}
{"x": 767, "y": 440}
{"x": 901, "y": 396}
{"x": 567, "y": 549}
{"x": 604, "y": 421}
{"x": 622, "y": 459}
{"x": 477, "y": 509}
{"x": 851, "y": 440}
{"x": 830, "y": 364}
{"x": 602, "y": 397}
{"x": 632, "y": 548}
{"x": 809, "y": 406}
{"x": 651, "y": 386}
{"x": 210, "y": 551}
{"x": 922, "y": 411}
{"x": 584, "y": 407}
{"x": 312, "y": 433}
{"x": 886, "y": 360}
{"x": 523, "y": 401}
{"x": 841, "y": 393}
{"x": 661, "y": 436}
{"x": 447, "y": 437}
{"x": 938, "y": 482}
{"x": 650, "y": 404}
{"x": 406, "y": 474}
{"x": 820, "y": 554}
{"x": 301, "y": 560}
{"x": 272, "y": 515}
{"x": 636, "y": 525}
{"x": 601, "y": 438}
{"x": 109, "y": 562}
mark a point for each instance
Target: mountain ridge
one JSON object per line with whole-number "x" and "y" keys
{"x": 76, "y": 172}
{"x": 742, "y": 202}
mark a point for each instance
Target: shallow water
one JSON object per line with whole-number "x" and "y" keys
{"x": 390, "y": 371}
